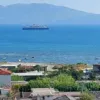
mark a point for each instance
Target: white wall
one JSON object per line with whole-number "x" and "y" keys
{"x": 4, "y": 92}
{"x": 5, "y": 80}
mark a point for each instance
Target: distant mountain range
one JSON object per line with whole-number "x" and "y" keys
{"x": 45, "y": 14}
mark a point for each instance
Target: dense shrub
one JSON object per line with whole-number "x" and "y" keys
{"x": 25, "y": 88}
{"x": 87, "y": 96}
{"x": 62, "y": 82}
{"x": 17, "y": 78}
{"x": 92, "y": 86}
{"x": 40, "y": 83}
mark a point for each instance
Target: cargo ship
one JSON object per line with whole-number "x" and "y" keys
{"x": 35, "y": 27}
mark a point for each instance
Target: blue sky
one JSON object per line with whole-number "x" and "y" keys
{"x": 84, "y": 5}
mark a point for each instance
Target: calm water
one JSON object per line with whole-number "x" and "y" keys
{"x": 59, "y": 44}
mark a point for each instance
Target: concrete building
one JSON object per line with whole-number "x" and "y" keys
{"x": 48, "y": 94}
{"x": 42, "y": 93}
{"x": 30, "y": 75}
{"x": 15, "y": 64}
{"x": 51, "y": 94}
{"x": 8, "y": 66}
{"x": 96, "y": 68}
{"x": 5, "y": 77}
{"x": 5, "y": 81}
{"x": 64, "y": 97}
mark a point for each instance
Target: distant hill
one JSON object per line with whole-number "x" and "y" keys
{"x": 45, "y": 14}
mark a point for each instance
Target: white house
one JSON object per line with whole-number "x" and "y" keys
{"x": 31, "y": 73}
{"x": 52, "y": 94}
{"x": 5, "y": 81}
{"x": 8, "y": 65}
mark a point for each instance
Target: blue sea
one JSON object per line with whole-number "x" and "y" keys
{"x": 59, "y": 44}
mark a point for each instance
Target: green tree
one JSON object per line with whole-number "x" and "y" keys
{"x": 77, "y": 75}
{"x": 37, "y": 67}
{"x": 15, "y": 91}
{"x": 92, "y": 76}
{"x": 40, "y": 83}
{"x": 62, "y": 82}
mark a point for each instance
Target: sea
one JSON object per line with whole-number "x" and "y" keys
{"x": 62, "y": 44}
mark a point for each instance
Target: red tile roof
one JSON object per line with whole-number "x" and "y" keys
{"x": 5, "y": 72}
{"x": 27, "y": 67}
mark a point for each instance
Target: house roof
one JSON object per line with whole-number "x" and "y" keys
{"x": 7, "y": 65}
{"x": 76, "y": 94}
{"x": 5, "y": 87}
{"x": 42, "y": 91}
{"x": 5, "y": 72}
{"x": 26, "y": 67}
{"x": 32, "y": 73}
{"x": 65, "y": 97}
{"x": 96, "y": 65}
{"x": 62, "y": 98}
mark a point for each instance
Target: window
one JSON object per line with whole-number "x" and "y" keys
{"x": 0, "y": 92}
{"x": 43, "y": 98}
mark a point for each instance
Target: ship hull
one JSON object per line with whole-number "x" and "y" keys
{"x": 35, "y": 28}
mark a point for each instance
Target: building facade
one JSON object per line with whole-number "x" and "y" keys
{"x": 96, "y": 68}
{"x": 5, "y": 81}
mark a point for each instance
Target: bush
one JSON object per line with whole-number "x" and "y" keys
{"x": 92, "y": 86}
{"x": 25, "y": 88}
{"x": 40, "y": 83}
{"x": 17, "y": 78}
{"x": 62, "y": 82}
{"x": 87, "y": 96}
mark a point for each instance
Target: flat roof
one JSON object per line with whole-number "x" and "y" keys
{"x": 7, "y": 65}
{"x": 96, "y": 64}
{"x": 19, "y": 82}
{"x": 33, "y": 73}
{"x": 42, "y": 91}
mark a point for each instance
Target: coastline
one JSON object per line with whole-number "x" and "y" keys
{"x": 49, "y": 65}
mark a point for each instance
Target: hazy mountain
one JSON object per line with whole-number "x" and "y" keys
{"x": 45, "y": 14}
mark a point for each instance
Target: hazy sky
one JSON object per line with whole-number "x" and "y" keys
{"x": 84, "y": 5}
